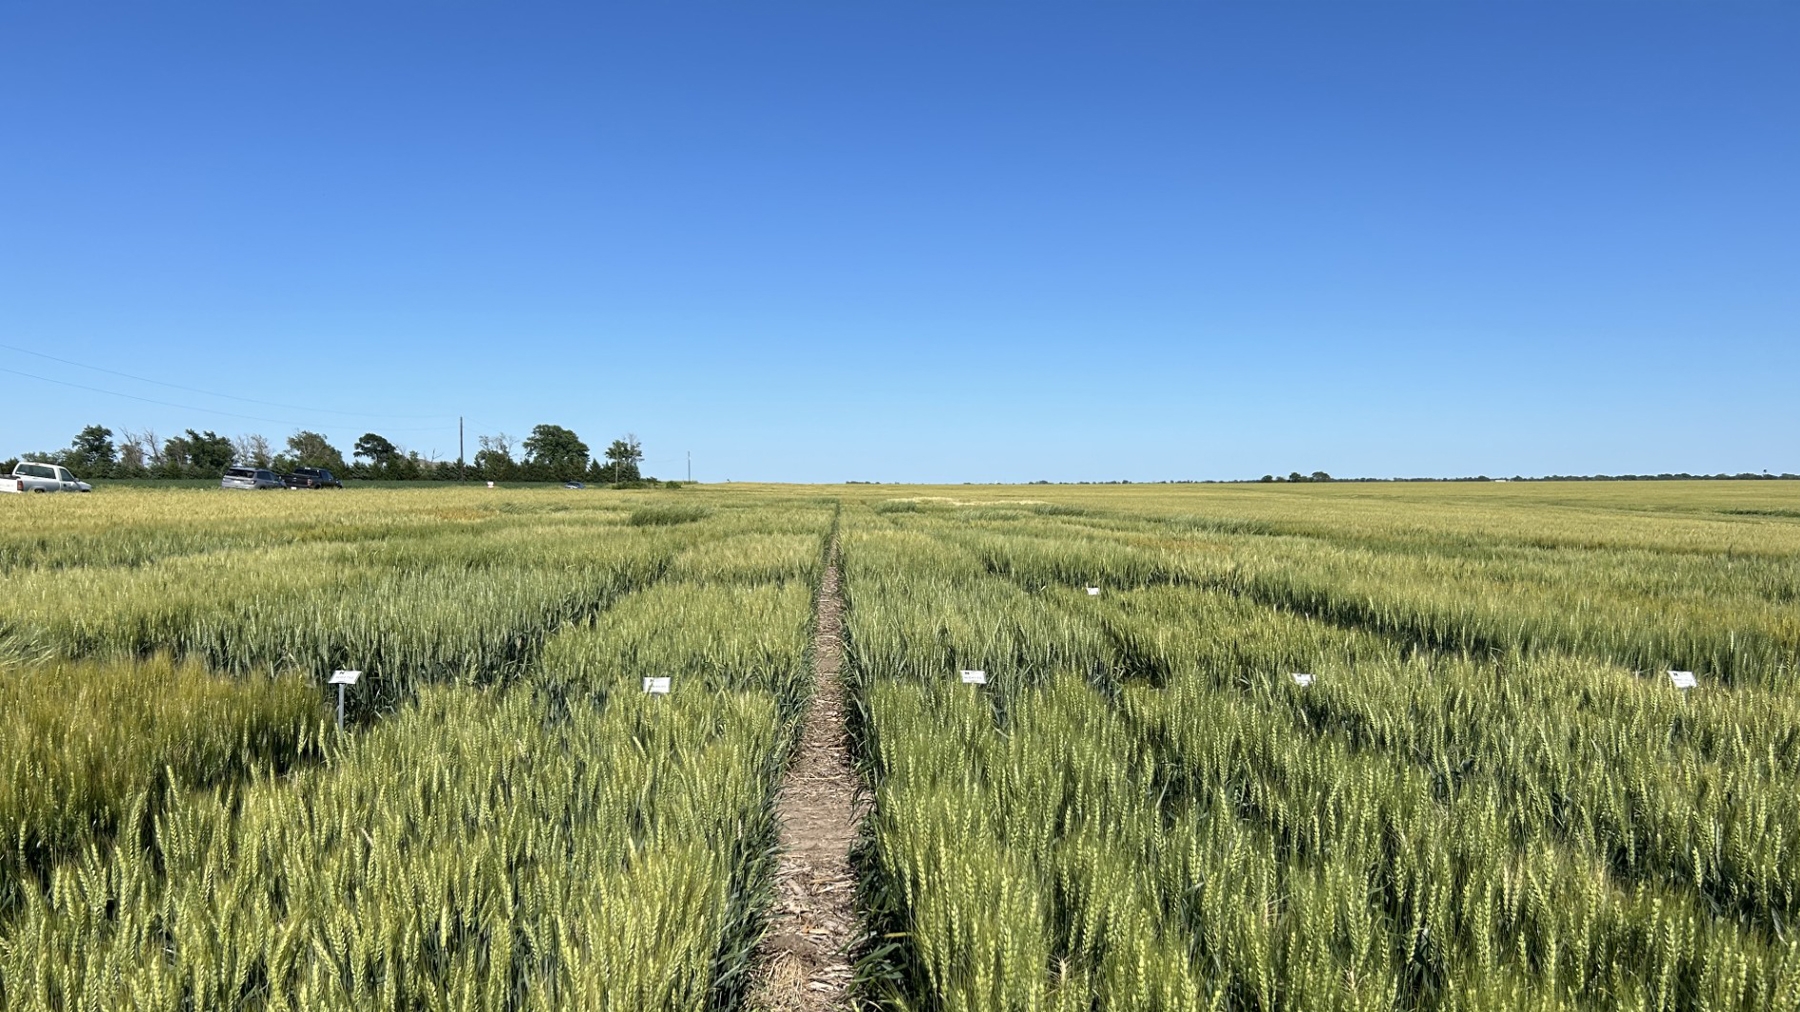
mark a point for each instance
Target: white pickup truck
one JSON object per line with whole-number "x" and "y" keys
{"x": 31, "y": 476}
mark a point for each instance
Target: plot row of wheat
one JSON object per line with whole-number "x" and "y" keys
{"x": 1142, "y": 810}
{"x": 511, "y": 823}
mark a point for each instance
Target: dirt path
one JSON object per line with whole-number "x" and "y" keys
{"x": 804, "y": 962}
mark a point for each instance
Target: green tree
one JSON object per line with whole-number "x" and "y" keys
{"x": 494, "y": 461}
{"x": 407, "y": 466}
{"x": 92, "y": 451}
{"x": 622, "y": 458}
{"x": 172, "y": 462}
{"x": 557, "y": 452}
{"x": 380, "y": 452}
{"x": 197, "y": 454}
{"x": 310, "y": 449}
{"x": 64, "y": 457}
{"x": 1320, "y": 476}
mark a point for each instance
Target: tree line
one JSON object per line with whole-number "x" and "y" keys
{"x": 550, "y": 453}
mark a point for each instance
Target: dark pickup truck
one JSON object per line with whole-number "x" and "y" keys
{"x": 311, "y": 477}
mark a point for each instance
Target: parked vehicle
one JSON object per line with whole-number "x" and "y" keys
{"x": 250, "y": 477}
{"x": 32, "y": 476}
{"x": 311, "y": 477}
{"x": 573, "y": 484}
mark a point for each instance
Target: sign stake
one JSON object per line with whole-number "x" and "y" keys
{"x": 341, "y": 679}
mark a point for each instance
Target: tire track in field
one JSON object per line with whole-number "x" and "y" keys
{"x": 803, "y": 963}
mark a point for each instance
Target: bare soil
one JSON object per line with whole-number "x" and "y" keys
{"x": 804, "y": 962}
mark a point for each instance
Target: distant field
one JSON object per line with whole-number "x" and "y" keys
{"x": 1489, "y": 797}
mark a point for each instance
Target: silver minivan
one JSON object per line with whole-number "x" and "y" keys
{"x": 250, "y": 477}
{"x": 36, "y": 477}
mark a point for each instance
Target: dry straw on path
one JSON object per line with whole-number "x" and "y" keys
{"x": 804, "y": 961}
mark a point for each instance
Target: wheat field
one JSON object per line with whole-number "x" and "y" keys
{"x": 1489, "y": 796}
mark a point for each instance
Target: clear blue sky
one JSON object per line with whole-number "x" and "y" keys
{"x": 918, "y": 241}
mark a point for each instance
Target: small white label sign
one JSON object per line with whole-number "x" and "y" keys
{"x": 656, "y": 686}
{"x": 344, "y": 677}
{"x": 1683, "y": 679}
{"x": 1093, "y": 591}
{"x": 1301, "y": 680}
{"x": 974, "y": 677}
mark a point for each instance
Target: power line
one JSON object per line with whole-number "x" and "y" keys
{"x": 146, "y": 400}
{"x": 209, "y": 393}
{"x": 172, "y": 404}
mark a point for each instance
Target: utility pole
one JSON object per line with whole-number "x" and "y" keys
{"x": 690, "y": 467}
{"x": 462, "y": 468}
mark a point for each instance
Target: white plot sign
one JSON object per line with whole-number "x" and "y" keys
{"x": 340, "y": 679}
{"x": 1093, "y": 591}
{"x": 656, "y": 686}
{"x": 974, "y": 677}
{"x": 1302, "y": 680}
{"x": 1683, "y": 679}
